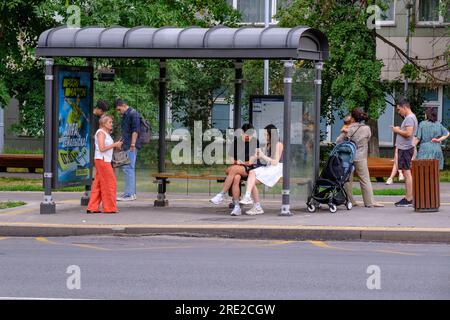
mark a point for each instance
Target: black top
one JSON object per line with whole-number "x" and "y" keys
{"x": 243, "y": 150}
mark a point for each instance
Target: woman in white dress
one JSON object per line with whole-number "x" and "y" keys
{"x": 269, "y": 174}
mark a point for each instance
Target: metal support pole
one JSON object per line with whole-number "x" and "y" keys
{"x": 266, "y": 77}
{"x": 87, "y": 188}
{"x": 48, "y": 205}
{"x": 161, "y": 200}
{"x": 318, "y": 90}
{"x": 237, "y": 94}
{"x": 266, "y": 62}
{"x": 288, "y": 73}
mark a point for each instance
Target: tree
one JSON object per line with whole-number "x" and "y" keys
{"x": 21, "y": 74}
{"x": 195, "y": 86}
{"x": 352, "y": 76}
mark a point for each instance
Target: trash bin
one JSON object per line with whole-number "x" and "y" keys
{"x": 426, "y": 191}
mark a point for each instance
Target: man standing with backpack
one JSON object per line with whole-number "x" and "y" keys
{"x": 130, "y": 128}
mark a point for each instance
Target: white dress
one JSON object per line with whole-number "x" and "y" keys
{"x": 269, "y": 175}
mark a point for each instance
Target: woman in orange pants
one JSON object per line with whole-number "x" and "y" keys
{"x": 104, "y": 188}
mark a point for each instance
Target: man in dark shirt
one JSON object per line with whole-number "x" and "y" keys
{"x": 130, "y": 126}
{"x": 243, "y": 157}
{"x": 100, "y": 109}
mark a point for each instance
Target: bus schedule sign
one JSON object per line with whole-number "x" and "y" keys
{"x": 72, "y": 118}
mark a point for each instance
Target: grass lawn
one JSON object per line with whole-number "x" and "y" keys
{"x": 145, "y": 184}
{"x": 383, "y": 192}
{"x": 21, "y": 151}
{"x": 21, "y": 184}
{"x": 10, "y": 204}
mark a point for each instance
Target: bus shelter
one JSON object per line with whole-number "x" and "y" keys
{"x": 285, "y": 44}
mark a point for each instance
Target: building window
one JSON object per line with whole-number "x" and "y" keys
{"x": 446, "y": 107}
{"x": 429, "y": 95}
{"x": 433, "y": 12}
{"x": 252, "y": 11}
{"x": 431, "y": 100}
{"x": 388, "y": 15}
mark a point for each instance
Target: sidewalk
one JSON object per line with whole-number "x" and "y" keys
{"x": 194, "y": 215}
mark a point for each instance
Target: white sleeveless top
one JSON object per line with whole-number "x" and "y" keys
{"x": 107, "y": 155}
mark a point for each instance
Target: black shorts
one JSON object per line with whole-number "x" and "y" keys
{"x": 404, "y": 158}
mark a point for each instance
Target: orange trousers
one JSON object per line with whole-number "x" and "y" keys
{"x": 104, "y": 188}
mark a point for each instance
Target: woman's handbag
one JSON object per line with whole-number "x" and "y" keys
{"x": 119, "y": 158}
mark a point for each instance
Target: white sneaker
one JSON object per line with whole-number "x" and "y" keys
{"x": 218, "y": 199}
{"x": 127, "y": 198}
{"x": 246, "y": 200}
{"x": 401, "y": 177}
{"x": 134, "y": 197}
{"x": 236, "y": 211}
{"x": 255, "y": 211}
{"x": 389, "y": 181}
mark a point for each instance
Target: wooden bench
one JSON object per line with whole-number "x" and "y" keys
{"x": 28, "y": 161}
{"x": 209, "y": 177}
{"x": 380, "y": 168}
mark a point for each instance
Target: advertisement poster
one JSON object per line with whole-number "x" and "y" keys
{"x": 72, "y": 126}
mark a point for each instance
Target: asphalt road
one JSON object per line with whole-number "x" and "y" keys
{"x": 163, "y": 267}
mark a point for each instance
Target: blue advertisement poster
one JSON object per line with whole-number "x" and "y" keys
{"x": 72, "y": 126}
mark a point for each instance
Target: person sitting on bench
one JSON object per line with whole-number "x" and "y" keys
{"x": 269, "y": 174}
{"x": 243, "y": 157}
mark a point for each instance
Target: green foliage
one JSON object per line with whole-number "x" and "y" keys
{"x": 410, "y": 72}
{"x": 21, "y": 75}
{"x": 194, "y": 87}
{"x": 11, "y": 204}
{"x": 351, "y": 78}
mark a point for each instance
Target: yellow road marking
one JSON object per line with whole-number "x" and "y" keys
{"x": 44, "y": 240}
{"x": 226, "y": 226}
{"x": 88, "y": 246}
{"x": 324, "y": 245}
{"x": 397, "y": 252}
{"x": 320, "y": 244}
{"x": 270, "y": 244}
{"x": 154, "y": 248}
{"x": 279, "y": 243}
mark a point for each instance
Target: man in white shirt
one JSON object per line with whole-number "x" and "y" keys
{"x": 405, "y": 136}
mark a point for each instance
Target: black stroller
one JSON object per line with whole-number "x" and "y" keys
{"x": 329, "y": 187}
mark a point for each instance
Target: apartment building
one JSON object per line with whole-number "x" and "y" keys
{"x": 430, "y": 39}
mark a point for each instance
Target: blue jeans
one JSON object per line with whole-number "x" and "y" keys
{"x": 130, "y": 174}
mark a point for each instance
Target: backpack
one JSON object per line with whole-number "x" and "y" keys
{"x": 145, "y": 130}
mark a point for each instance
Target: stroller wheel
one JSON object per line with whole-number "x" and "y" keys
{"x": 332, "y": 208}
{"x": 349, "y": 205}
{"x": 311, "y": 208}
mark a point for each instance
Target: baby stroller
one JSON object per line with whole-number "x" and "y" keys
{"x": 329, "y": 187}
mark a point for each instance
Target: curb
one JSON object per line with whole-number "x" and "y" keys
{"x": 422, "y": 235}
